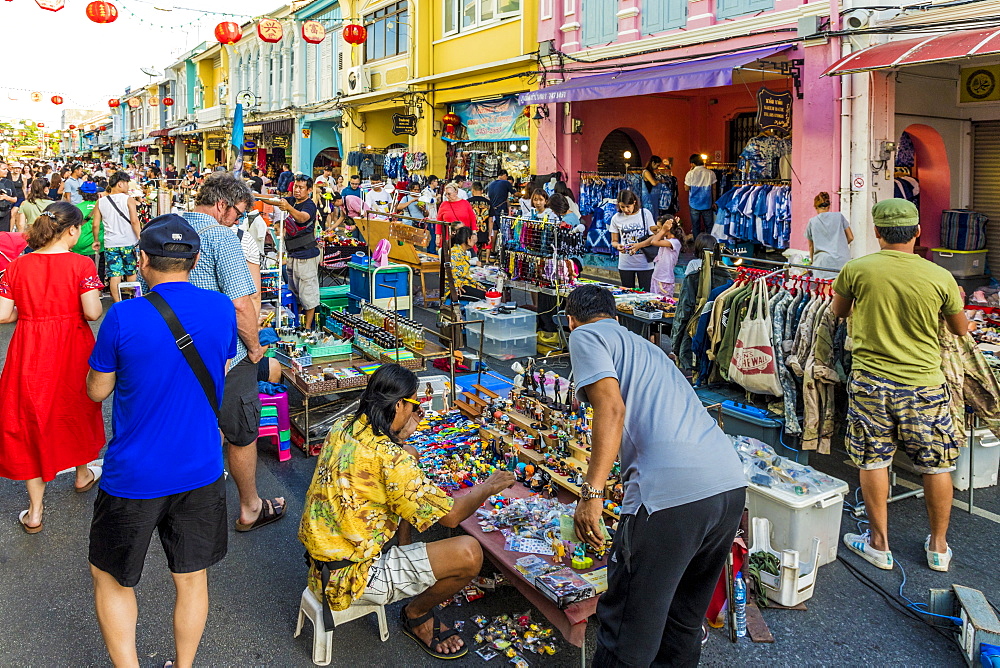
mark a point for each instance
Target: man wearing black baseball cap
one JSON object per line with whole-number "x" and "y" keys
{"x": 163, "y": 466}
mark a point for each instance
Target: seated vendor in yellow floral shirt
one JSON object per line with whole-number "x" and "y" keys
{"x": 365, "y": 486}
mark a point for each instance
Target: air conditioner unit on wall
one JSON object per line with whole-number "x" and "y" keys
{"x": 357, "y": 81}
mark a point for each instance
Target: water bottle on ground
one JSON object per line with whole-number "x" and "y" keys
{"x": 740, "y": 604}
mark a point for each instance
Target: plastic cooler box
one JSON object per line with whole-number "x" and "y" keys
{"x": 334, "y": 297}
{"x": 987, "y": 461}
{"x": 796, "y": 520}
{"x": 762, "y": 425}
{"x": 960, "y": 263}
{"x": 394, "y": 275}
{"x": 516, "y": 325}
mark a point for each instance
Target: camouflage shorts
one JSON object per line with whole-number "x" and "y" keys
{"x": 883, "y": 414}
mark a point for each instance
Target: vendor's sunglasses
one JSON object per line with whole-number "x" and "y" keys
{"x": 419, "y": 407}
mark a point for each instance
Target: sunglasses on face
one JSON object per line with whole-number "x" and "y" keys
{"x": 418, "y": 408}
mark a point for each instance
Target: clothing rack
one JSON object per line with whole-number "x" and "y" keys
{"x": 716, "y": 257}
{"x": 762, "y": 182}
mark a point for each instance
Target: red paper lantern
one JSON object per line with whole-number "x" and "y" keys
{"x": 228, "y": 32}
{"x": 100, "y": 11}
{"x": 57, "y": 99}
{"x": 72, "y": 127}
{"x": 269, "y": 30}
{"x": 154, "y": 101}
{"x": 41, "y": 125}
{"x": 134, "y": 102}
{"x": 313, "y": 32}
{"x": 451, "y": 119}
{"x": 51, "y": 5}
{"x": 168, "y": 102}
{"x": 355, "y": 34}
{"x": 114, "y": 104}
{"x": 103, "y": 128}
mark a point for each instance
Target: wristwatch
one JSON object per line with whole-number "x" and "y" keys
{"x": 588, "y": 491}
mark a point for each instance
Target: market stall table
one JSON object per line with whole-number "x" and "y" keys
{"x": 570, "y": 621}
{"x": 303, "y": 388}
{"x": 645, "y": 327}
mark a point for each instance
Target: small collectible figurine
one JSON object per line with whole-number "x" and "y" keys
{"x": 529, "y": 379}
{"x": 429, "y": 395}
{"x": 559, "y": 548}
{"x": 557, "y": 403}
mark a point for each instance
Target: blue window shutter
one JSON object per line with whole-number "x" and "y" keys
{"x": 660, "y": 15}
{"x": 600, "y": 22}
{"x": 729, "y": 8}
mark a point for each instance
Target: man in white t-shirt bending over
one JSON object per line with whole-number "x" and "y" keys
{"x": 117, "y": 213}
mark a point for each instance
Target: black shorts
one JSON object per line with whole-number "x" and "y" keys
{"x": 263, "y": 369}
{"x": 482, "y": 237}
{"x": 192, "y": 525}
{"x": 239, "y": 418}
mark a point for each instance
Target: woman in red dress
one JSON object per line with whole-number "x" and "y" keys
{"x": 47, "y": 422}
{"x": 454, "y": 209}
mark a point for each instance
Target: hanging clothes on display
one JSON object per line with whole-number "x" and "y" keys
{"x": 596, "y": 187}
{"x": 669, "y": 201}
{"x": 759, "y": 212}
{"x": 766, "y": 156}
{"x": 906, "y": 187}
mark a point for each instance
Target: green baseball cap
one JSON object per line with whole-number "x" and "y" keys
{"x": 895, "y": 213}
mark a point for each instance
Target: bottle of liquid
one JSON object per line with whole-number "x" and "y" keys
{"x": 740, "y": 603}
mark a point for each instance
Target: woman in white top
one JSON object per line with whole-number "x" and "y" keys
{"x": 117, "y": 213}
{"x": 629, "y": 234}
{"x": 829, "y": 235}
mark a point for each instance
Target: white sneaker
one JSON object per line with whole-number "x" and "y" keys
{"x": 860, "y": 544}
{"x": 938, "y": 561}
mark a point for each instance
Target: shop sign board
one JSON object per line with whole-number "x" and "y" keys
{"x": 404, "y": 124}
{"x": 774, "y": 110}
{"x": 280, "y": 141}
{"x": 215, "y": 142}
{"x": 979, "y": 84}
{"x": 249, "y": 144}
{"x": 493, "y": 120}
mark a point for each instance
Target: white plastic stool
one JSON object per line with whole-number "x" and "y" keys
{"x": 322, "y": 637}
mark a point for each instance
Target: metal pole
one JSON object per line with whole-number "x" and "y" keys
{"x": 971, "y": 423}
{"x": 740, "y": 258}
{"x": 395, "y": 302}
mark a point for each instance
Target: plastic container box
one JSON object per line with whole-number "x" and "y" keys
{"x": 960, "y": 263}
{"x": 796, "y": 578}
{"x": 504, "y": 348}
{"x": 767, "y": 428}
{"x": 439, "y": 387}
{"x": 514, "y": 325}
{"x": 490, "y": 381}
{"x": 796, "y": 520}
{"x": 366, "y": 284}
{"x": 986, "y": 458}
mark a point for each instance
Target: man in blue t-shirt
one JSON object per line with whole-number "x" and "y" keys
{"x": 684, "y": 489}
{"x": 163, "y": 466}
{"x": 353, "y": 187}
{"x": 700, "y": 185}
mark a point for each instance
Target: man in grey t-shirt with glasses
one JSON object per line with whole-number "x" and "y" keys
{"x": 684, "y": 489}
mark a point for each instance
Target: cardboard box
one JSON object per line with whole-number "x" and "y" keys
{"x": 564, "y": 587}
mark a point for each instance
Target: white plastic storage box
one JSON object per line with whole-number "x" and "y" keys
{"x": 960, "y": 263}
{"x": 514, "y": 325}
{"x": 439, "y": 388}
{"x": 796, "y": 520}
{"x": 502, "y": 348}
{"x": 986, "y": 458}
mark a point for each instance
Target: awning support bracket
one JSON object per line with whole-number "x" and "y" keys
{"x": 789, "y": 68}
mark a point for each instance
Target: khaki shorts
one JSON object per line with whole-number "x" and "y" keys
{"x": 303, "y": 279}
{"x": 883, "y": 415}
{"x": 400, "y": 572}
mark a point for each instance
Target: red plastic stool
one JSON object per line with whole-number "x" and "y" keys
{"x": 284, "y": 447}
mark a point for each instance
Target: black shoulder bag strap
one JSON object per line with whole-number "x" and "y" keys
{"x": 186, "y": 345}
{"x": 127, "y": 219}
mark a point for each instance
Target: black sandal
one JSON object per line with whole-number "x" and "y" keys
{"x": 436, "y": 639}
{"x": 270, "y": 511}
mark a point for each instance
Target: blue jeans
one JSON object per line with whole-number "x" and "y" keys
{"x": 702, "y": 220}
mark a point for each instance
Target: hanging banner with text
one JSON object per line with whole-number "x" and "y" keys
{"x": 774, "y": 110}
{"x": 493, "y": 120}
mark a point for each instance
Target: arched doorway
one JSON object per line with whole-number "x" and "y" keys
{"x": 328, "y": 157}
{"x": 619, "y": 144}
{"x": 929, "y": 167}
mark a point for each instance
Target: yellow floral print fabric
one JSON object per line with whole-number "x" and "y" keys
{"x": 362, "y": 486}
